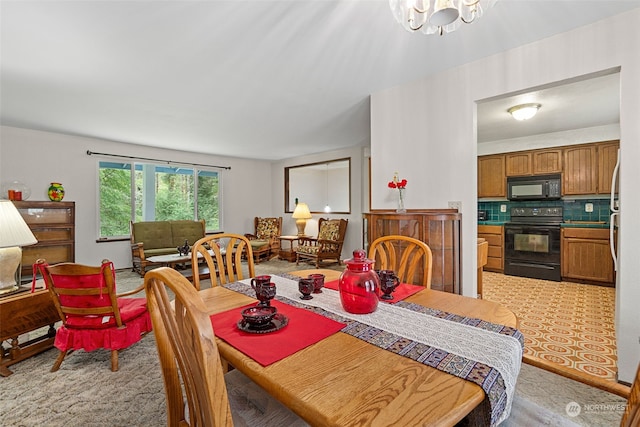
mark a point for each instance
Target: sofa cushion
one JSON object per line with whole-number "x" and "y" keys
{"x": 154, "y": 234}
{"x": 160, "y": 251}
{"x": 257, "y": 244}
{"x": 191, "y": 231}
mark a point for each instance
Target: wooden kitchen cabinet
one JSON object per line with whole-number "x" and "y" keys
{"x": 586, "y": 256}
{"x": 440, "y": 229}
{"x": 607, "y": 158}
{"x": 518, "y": 163}
{"x": 580, "y": 170}
{"x": 546, "y": 161}
{"x": 494, "y": 234}
{"x": 53, "y": 225}
{"x": 492, "y": 181}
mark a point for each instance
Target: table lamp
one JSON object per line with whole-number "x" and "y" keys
{"x": 301, "y": 214}
{"x": 14, "y": 233}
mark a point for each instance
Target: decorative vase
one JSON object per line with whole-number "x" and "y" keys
{"x": 56, "y": 192}
{"x": 359, "y": 285}
{"x": 401, "y": 208}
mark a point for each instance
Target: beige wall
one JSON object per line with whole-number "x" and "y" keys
{"x": 426, "y": 130}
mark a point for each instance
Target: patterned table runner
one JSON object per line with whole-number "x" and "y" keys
{"x": 482, "y": 352}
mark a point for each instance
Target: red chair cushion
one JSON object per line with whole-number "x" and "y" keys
{"x": 135, "y": 317}
{"x": 130, "y": 308}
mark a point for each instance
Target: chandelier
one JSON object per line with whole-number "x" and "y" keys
{"x": 437, "y": 16}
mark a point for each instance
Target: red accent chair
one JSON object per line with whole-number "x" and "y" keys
{"x": 93, "y": 315}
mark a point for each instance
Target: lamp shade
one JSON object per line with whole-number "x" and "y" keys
{"x": 301, "y": 211}
{"x": 13, "y": 230}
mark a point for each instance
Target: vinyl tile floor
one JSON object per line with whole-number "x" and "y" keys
{"x": 568, "y": 324}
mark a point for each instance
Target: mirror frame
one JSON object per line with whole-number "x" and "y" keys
{"x": 289, "y": 209}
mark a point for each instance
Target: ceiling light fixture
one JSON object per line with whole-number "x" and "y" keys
{"x": 437, "y": 16}
{"x": 524, "y": 111}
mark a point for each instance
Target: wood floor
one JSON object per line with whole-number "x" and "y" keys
{"x": 568, "y": 327}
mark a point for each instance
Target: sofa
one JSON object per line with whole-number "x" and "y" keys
{"x": 152, "y": 238}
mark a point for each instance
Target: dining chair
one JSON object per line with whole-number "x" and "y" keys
{"x": 631, "y": 417}
{"x": 223, "y": 254}
{"x": 411, "y": 259}
{"x": 191, "y": 363}
{"x": 93, "y": 315}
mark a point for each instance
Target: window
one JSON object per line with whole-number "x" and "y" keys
{"x": 156, "y": 193}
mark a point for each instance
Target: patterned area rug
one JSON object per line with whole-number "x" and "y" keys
{"x": 565, "y": 323}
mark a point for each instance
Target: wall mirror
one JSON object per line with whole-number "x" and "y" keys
{"x": 324, "y": 186}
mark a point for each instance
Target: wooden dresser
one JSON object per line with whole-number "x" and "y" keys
{"x": 53, "y": 224}
{"x": 440, "y": 229}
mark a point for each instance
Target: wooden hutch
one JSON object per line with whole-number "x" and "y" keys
{"x": 21, "y": 313}
{"x": 439, "y": 228}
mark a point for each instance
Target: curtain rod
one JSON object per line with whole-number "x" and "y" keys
{"x": 169, "y": 162}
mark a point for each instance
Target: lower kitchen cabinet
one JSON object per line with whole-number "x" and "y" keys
{"x": 494, "y": 234}
{"x": 586, "y": 256}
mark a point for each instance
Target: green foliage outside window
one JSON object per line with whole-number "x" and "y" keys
{"x": 161, "y": 193}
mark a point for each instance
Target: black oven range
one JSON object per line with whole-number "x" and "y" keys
{"x": 532, "y": 243}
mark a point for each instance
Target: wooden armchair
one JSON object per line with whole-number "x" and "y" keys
{"x": 328, "y": 244}
{"x": 265, "y": 241}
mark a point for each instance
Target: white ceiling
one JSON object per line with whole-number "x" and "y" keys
{"x": 256, "y": 79}
{"x": 581, "y": 103}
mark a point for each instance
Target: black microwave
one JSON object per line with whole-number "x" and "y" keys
{"x": 537, "y": 187}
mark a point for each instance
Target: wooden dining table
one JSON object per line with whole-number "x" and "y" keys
{"x": 344, "y": 381}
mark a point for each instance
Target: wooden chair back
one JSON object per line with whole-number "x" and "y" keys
{"x": 188, "y": 351}
{"x": 410, "y": 258}
{"x": 631, "y": 417}
{"x": 82, "y": 290}
{"x": 223, "y": 254}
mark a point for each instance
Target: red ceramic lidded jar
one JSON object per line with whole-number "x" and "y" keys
{"x": 359, "y": 284}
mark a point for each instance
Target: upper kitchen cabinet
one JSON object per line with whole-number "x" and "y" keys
{"x": 536, "y": 162}
{"x": 491, "y": 176}
{"x": 607, "y": 158}
{"x": 547, "y": 161}
{"x": 518, "y": 163}
{"x": 580, "y": 170}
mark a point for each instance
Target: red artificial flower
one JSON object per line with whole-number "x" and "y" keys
{"x": 400, "y": 184}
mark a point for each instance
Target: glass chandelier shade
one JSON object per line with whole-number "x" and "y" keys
{"x": 437, "y": 16}
{"x": 524, "y": 111}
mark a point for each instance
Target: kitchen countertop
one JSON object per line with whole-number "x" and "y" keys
{"x": 585, "y": 224}
{"x": 491, "y": 222}
{"x": 566, "y": 224}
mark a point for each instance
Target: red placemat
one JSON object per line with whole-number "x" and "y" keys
{"x": 403, "y": 291}
{"x": 304, "y": 328}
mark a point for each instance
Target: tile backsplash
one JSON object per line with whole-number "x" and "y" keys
{"x": 572, "y": 209}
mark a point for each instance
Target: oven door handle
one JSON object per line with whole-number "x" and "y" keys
{"x": 530, "y": 229}
{"x": 526, "y": 264}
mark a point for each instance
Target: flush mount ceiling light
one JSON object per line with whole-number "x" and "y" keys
{"x": 524, "y": 111}
{"x": 437, "y": 16}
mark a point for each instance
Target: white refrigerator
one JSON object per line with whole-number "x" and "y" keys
{"x": 615, "y": 212}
